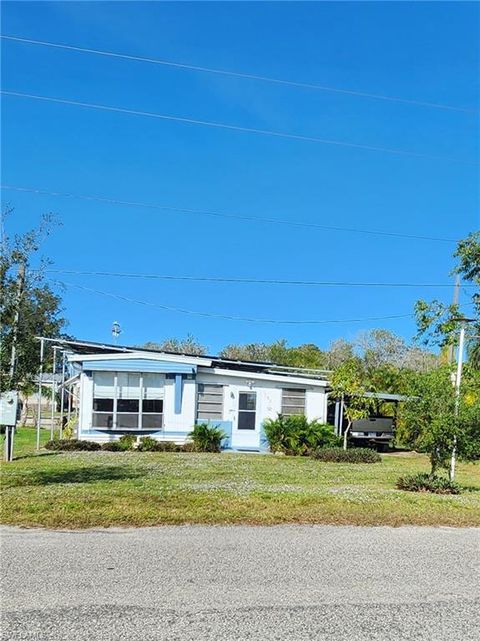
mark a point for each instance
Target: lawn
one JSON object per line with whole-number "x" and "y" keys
{"x": 95, "y": 489}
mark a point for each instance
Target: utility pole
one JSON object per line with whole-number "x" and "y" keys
{"x": 16, "y": 319}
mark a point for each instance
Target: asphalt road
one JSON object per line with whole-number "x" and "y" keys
{"x": 257, "y": 583}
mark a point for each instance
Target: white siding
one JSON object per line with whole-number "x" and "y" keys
{"x": 315, "y": 405}
{"x": 184, "y": 421}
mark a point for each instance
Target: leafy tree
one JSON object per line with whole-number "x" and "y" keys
{"x": 435, "y": 320}
{"x": 347, "y": 384}
{"x": 307, "y": 355}
{"x": 260, "y": 352}
{"x": 436, "y": 422}
{"x": 39, "y": 307}
{"x": 382, "y": 348}
{"x": 188, "y": 345}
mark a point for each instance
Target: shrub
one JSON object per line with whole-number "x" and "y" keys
{"x": 113, "y": 446}
{"x": 149, "y": 444}
{"x": 72, "y": 445}
{"x": 207, "y": 438}
{"x": 296, "y": 435}
{"x": 427, "y": 483}
{"x": 188, "y": 446}
{"x": 353, "y": 455}
{"x": 127, "y": 441}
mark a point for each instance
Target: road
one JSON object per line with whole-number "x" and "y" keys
{"x": 196, "y": 583}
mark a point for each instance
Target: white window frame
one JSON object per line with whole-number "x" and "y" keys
{"x": 115, "y": 412}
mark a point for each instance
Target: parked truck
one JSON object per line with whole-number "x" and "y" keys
{"x": 378, "y": 429}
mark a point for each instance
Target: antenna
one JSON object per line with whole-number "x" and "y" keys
{"x": 116, "y": 330}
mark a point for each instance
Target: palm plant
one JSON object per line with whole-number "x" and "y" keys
{"x": 207, "y": 438}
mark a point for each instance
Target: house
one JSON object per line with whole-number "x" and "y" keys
{"x": 129, "y": 390}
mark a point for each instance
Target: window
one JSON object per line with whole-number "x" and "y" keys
{"x": 210, "y": 401}
{"x": 103, "y": 399}
{"x": 247, "y": 403}
{"x": 293, "y": 401}
{"x": 127, "y": 401}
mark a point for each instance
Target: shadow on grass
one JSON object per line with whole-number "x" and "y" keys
{"x": 35, "y": 455}
{"x": 81, "y": 475}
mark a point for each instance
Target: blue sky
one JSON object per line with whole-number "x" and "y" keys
{"x": 420, "y": 51}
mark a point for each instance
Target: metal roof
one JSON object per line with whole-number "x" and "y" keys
{"x": 91, "y": 347}
{"x": 382, "y": 396}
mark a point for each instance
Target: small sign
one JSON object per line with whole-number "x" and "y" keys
{"x": 8, "y": 408}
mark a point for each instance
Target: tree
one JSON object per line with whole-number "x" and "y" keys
{"x": 347, "y": 384}
{"x": 435, "y": 421}
{"x": 307, "y": 355}
{"x": 35, "y": 312}
{"x": 188, "y": 345}
{"x": 439, "y": 323}
{"x": 381, "y": 347}
{"x": 436, "y": 321}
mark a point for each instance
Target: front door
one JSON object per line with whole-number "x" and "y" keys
{"x": 246, "y": 428}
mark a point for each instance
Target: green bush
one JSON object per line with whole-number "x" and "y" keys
{"x": 352, "y": 455}
{"x": 72, "y": 445}
{"x": 113, "y": 446}
{"x": 188, "y": 446}
{"x": 149, "y": 444}
{"x": 427, "y": 483}
{"x": 127, "y": 441}
{"x": 206, "y": 438}
{"x": 297, "y": 436}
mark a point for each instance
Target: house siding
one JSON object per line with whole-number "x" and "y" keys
{"x": 180, "y": 401}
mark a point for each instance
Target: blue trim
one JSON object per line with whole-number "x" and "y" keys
{"x": 178, "y": 393}
{"x": 138, "y": 365}
{"x": 264, "y": 444}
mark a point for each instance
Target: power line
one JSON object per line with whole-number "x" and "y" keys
{"x": 221, "y": 125}
{"x": 223, "y": 316}
{"x": 249, "y": 281}
{"x": 239, "y": 74}
{"x": 222, "y": 214}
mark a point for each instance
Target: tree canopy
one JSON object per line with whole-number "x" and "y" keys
{"x": 39, "y": 306}
{"x": 436, "y": 320}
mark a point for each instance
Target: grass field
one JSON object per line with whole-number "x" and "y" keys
{"x": 92, "y": 489}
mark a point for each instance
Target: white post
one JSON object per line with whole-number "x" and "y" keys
{"x": 52, "y": 419}
{"x": 62, "y": 395}
{"x": 458, "y": 381}
{"x": 39, "y": 403}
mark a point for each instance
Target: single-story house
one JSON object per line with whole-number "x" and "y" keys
{"x": 129, "y": 390}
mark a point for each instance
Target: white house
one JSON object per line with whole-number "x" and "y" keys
{"x": 163, "y": 395}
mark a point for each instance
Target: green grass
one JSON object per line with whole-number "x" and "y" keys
{"x": 91, "y": 489}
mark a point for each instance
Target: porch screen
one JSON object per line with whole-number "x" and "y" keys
{"x": 127, "y": 400}
{"x": 210, "y": 401}
{"x": 152, "y": 401}
{"x": 103, "y": 399}
{"x": 293, "y": 401}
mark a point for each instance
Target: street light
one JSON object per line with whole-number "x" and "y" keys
{"x": 458, "y": 381}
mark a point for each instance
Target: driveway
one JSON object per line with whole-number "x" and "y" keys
{"x": 200, "y": 583}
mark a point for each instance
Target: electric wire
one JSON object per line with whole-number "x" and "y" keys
{"x": 247, "y": 281}
{"x": 230, "y": 127}
{"x": 223, "y": 214}
{"x": 191, "y": 312}
{"x": 239, "y": 74}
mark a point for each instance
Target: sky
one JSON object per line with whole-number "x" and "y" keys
{"x": 421, "y": 52}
